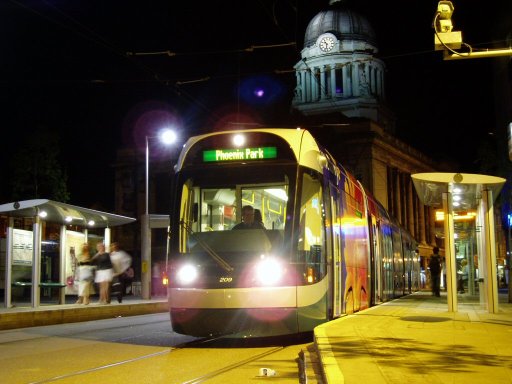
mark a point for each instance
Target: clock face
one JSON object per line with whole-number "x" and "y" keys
{"x": 326, "y": 43}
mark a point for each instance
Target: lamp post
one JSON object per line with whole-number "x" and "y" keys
{"x": 168, "y": 137}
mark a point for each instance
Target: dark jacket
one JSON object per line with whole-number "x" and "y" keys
{"x": 435, "y": 264}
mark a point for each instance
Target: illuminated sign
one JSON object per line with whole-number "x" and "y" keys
{"x": 240, "y": 154}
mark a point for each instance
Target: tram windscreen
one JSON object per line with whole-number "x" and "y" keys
{"x": 208, "y": 215}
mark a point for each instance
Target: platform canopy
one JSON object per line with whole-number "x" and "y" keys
{"x": 61, "y": 213}
{"x": 431, "y": 186}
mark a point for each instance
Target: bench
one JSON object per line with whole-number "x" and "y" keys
{"x": 47, "y": 284}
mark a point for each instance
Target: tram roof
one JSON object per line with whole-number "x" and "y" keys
{"x": 62, "y": 213}
{"x": 301, "y": 141}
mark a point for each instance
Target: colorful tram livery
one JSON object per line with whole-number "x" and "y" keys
{"x": 328, "y": 247}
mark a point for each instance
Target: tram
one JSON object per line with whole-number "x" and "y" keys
{"x": 328, "y": 248}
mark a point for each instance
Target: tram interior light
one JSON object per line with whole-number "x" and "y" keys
{"x": 238, "y": 140}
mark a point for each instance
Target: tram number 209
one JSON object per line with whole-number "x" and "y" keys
{"x": 225, "y": 280}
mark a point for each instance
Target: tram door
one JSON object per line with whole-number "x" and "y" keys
{"x": 375, "y": 275}
{"x": 337, "y": 252}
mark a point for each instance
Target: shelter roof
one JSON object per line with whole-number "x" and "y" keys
{"x": 431, "y": 186}
{"x": 61, "y": 213}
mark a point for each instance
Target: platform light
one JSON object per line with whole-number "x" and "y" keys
{"x": 168, "y": 136}
{"x": 43, "y": 214}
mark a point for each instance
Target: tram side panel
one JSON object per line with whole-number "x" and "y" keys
{"x": 354, "y": 230}
{"x": 312, "y": 292}
{"x": 398, "y": 263}
{"x": 386, "y": 251}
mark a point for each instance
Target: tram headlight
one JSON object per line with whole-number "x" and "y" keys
{"x": 269, "y": 271}
{"x": 187, "y": 274}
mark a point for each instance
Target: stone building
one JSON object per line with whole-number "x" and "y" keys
{"x": 341, "y": 89}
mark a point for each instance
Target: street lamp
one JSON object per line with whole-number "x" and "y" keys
{"x": 167, "y": 137}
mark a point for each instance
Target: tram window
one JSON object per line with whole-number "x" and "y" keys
{"x": 311, "y": 248}
{"x": 218, "y": 209}
{"x": 271, "y": 200}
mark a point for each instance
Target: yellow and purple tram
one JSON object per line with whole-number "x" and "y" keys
{"x": 328, "y": 247}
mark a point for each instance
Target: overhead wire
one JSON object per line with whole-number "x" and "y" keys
{"x": 98, "y": 39}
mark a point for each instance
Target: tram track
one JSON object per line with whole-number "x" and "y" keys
{"x": 99, "y": 368}
{"x": 231, "y": 367}
{"x": 109, "y": 354}
{"x": 194, "y": 343}
{"x": 201, "y": 344}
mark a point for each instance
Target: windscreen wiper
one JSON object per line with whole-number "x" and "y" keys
{"x": 219, "y": 260}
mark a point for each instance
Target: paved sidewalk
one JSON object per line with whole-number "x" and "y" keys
{"x": 23, "y": 316}
{"x": 416, "y": 340}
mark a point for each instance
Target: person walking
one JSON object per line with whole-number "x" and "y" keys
{"x": 85, "y": 275}
{"x": 434, "y": 264}
{"x": 121, "y": 262}
{"x": 104, "y": 272}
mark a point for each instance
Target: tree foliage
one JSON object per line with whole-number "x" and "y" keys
{"x": 36, "y": 170}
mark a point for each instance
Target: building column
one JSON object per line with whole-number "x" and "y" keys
{"x": 432, "y": 226}
{"x": 303, "y": 86}
{"x": 368, "y": 79}
{"x": 309, "y": 90}
{"x": 371, "y": 71}
{"x": 421, "y": 222}
{"x": 333, "y": 81}
{"x": 298, "y": 90}
{"x": 397, "y": 197}
{"x": 378, "y": 84}
{"x": 313, "y": 89}
{"x": 322, "y": 83}
{"x": 355, "y": 79}
{"x": 410, "y": 206}
{"x": 382, "y": 88}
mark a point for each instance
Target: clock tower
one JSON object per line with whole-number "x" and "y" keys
{"x": 338, "y": 70}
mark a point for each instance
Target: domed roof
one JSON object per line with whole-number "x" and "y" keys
{"x": 342, "y": 22}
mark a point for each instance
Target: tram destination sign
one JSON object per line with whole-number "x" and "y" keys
{"x": 239, "y": 154}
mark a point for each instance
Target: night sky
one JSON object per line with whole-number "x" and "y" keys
{"x": 70, "y": 66}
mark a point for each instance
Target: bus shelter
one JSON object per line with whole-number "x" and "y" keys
{"x": 42, "y": 242}
{"x": 470, "y": 249}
